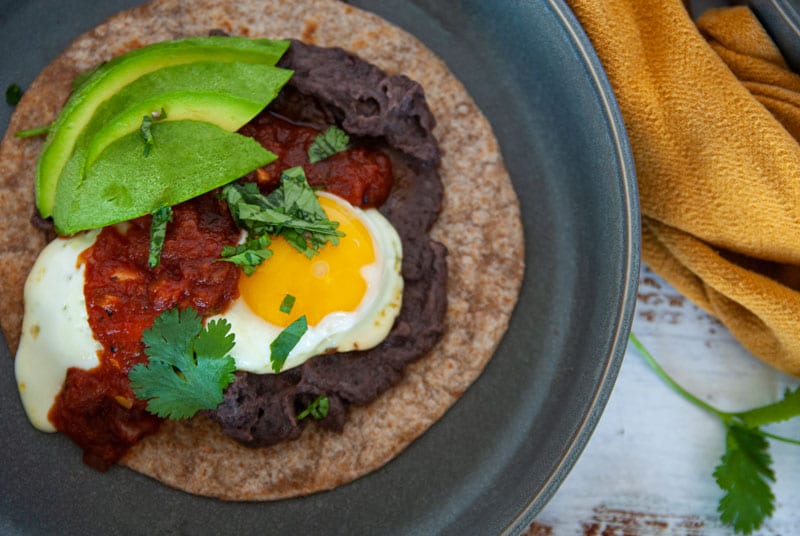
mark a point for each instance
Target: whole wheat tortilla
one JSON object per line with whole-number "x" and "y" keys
{"x": 480, "y": 225}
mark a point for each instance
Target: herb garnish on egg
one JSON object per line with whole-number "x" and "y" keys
{"x": 292, "y": 211}
{"x": 287, "y": 304}
{"x": 286, "y": 341}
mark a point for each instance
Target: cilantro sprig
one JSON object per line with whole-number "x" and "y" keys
{"x": 189, "y": 365}
{"x": 745, "y": 469}
{"x": 292, "y": 210}
{"x": 326, "y": 144}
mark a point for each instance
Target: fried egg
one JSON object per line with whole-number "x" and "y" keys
{"x": 350, "y": 294}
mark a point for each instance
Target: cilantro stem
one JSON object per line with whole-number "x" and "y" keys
{"x": 650, "y": 360}
{"x": 33, "y": 132}
{"x": 776, "y": 437}
{"x": 725, "y": 416}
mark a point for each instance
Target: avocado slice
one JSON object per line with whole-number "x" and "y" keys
{"x": 118, "y": 73}
{"x": 226, "y": 94}
{"x": 249, "y": 81}
{"x": 123, "y": 184}
{"x": 228, "y": 113}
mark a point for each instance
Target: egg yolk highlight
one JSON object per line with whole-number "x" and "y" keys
{"x": 326, "y": 283}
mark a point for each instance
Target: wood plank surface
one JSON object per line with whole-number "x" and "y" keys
{"x": 647, "y": 468}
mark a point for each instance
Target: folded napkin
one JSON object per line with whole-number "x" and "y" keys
{"x": 713, "y": 116}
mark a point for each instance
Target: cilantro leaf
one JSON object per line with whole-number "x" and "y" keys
{"x": 326, "y": 144}
{"x": 13, "y": 94}
{"x": 189, "y": 365}
{"x": 783, "y": 410}
{"x": 292, "y": 210}
{"x": 147, "y": 134}
{"x": 318, "y": 409}
{"x": 743, "y": 473}
{"x": 287, "y": 304}
{"x": 285, "y": 341}
{"x": 248, "y": 255}
{"x": 158, "y": 232}
{"x": 171, "y": 336}
{"x": 215, "y": 340}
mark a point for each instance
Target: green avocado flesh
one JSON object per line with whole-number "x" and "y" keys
{"x": 186, "y": 86}
{"x": 123, "y": 184}
{"x": 232, "y": 77}
{"x": 230, "y": 113}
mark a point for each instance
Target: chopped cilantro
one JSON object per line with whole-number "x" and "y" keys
{"x": 33, "y": 132}
{"x": 189, "y": 365}
{"x": 287, "y": 304}
{"x": 13, "y": 94}
{"x": 745, "y": 470}
{"x": 147, "y": 134}
{"x": 292, "y": 210}
{"x": 285, "y": 342}
{"x": 326, "y": 144}
{"x": 248, "y": 255}
{"x": 158, "y": 231}
{"x": 318, "y": 409}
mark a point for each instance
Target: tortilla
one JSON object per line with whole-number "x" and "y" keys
{"x": 480, "y": 225}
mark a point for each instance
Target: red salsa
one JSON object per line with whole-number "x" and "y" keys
{"x": 361, "y": 176}
{"x": 97, "y": 408}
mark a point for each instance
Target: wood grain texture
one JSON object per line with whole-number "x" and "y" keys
{"x": 647, "y": 469}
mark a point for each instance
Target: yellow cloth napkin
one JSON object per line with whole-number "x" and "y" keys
{"x": 712, "y": 113}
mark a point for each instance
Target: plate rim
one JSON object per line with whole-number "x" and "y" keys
{"x": 624, "y": 319}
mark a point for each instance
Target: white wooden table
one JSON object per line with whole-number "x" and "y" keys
{"x": 647, "y": 468}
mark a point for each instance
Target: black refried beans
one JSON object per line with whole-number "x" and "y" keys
{"x": 332, "y": 86}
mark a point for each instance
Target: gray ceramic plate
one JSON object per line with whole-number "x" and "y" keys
{"x": 494, "y": 460}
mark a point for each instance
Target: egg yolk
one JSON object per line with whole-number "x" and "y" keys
{"x": 326, "y": 283}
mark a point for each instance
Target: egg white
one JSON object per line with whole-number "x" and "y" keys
{"x": 56, "y": 334}
{"x": 55, "y": 329}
